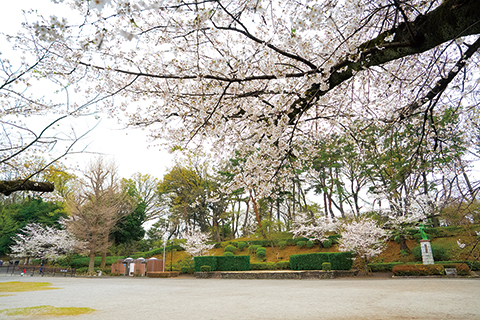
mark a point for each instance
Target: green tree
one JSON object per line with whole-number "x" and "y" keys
{"x": 130, "y": 228}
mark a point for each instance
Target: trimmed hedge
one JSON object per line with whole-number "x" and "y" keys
{"x": 473, "y": 265}
{"x": 228, "y": 253}
{"x": 261, "y": 252}
{"x": 418, "y": 270}
{"x": 314, "y": 261}
{"x": 233, "y": 263}
{"x": 281, "y": 265}
{"x": 223, "y": 263}
{"x": 230, "y": 248}
{"x": 327, "y": 243}
{"x": 205, "y": 268}
{"x": 241, "y": 245}
{"x": 205, "y": 261}
{"x": 263, "y": 266}
{"x": 301, "y": 244}
{"x": 253, "y": 248}
{"x": 326, "y": 266}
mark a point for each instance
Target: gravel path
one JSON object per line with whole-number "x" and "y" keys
{"x": 189, "y": 298}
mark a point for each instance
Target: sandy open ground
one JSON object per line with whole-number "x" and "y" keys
{"x": 190, "y": 298}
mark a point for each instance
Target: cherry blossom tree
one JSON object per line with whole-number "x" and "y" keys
{"x": 365, "y": 238}
{"x": 313, "y": 228}
{"x": 196, "y": 243}
{"x": 44, "y": 242}
{"x": 264, "y": 78}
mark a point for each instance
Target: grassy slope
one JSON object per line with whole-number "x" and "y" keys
{"x": 390, "y": 254}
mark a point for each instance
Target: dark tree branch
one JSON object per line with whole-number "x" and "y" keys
{"x": 8, "y": 187}
{"x": 451, "y": 20}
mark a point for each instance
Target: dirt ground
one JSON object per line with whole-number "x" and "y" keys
{"x": 367, "y": 297}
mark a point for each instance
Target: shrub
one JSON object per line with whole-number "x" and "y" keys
{"x": 262, "y": 266}
{"x": 291, "y": 242}
{"x": 397, "y": 239}
{"x": 341, "y": 260}
{"x": 301, "y": 244}
{"x": 418, "y": 270}
{"x": 233, "y": 263}
{"x": 326, "y": 266}
{"x": 418, "y": 237}
{"x": 241, "y": 245}
{"x": 334, "y": 238}
{"x": 205, "y": 268}
{"x": 81, "y": 270}
{"x": 283, "y": 265}
{"x": 314, "y": 261}
{"x": 462, "y": 269}
{"x": 382, "y": 267}
{"x": 230, "y": 248}
{"x": 253, "y": 248}
{"x": 300, "y": 239}
{"x": 404, "y": 253}
{"x": 205, "y": 261}
{"x": 228, "y": 253}
{"x": 223, "y": 263}
{"x": 261, "y": 252}
{"x": 309, "y": 244}
{"x": 327, "y": 243}
{"x": 260, "y": 243}
{"x": 439, "y": 253}
{"x": 282, "y": 244}
{"x": 473, "y": 265}
{"x": 187, "y": 270}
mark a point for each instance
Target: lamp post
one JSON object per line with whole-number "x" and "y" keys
{"x": 171, "y": 256}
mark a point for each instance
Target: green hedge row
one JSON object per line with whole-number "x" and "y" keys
{"x": 313, "y": 261}
{"x": 281, "y": 265}
{"x": 223, "y": 263}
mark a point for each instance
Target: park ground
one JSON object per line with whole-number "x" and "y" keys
{"x": 190, "y": 298}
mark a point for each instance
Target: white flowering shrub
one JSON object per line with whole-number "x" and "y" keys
{"x": 44, "y": 242}
{"x": 364, "y": 238}
{"x": 313, "y": 228}
{"x": 196, "y": 243}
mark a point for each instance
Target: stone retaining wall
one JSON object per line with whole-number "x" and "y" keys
{"x": 297, "y": 275}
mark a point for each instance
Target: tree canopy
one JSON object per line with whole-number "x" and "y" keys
{"x": 265, "y": 78}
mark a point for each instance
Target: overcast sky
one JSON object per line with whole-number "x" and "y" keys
{"x": 129, "y": 148}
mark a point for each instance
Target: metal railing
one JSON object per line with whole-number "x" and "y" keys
{"x": 19, "y": 270}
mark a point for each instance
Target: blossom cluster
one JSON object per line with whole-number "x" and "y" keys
{"x": 196, "y": 243}
{"x": 365, "y": 238}
{"x": 44, "y": 242}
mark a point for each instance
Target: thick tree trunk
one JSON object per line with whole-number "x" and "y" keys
{"x": 403, "y": 243}
{"x": 91, "y": 262}
{"x": 246, "y": 218}
{"x": 103, "y": 263}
